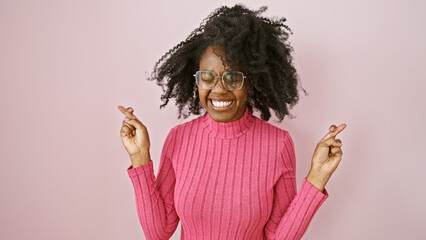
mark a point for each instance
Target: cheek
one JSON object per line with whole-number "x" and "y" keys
{"x": 203, "y": 95}
{"x": 241, "y": 96}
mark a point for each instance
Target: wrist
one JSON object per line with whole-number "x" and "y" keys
{"x": 140, "y": 159}
{"x": 317, "y": 179}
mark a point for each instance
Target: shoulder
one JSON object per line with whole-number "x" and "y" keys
{"x": 183, "y": 127}
{"x": 175, "y": 134}
{"x": 281, "y": 134}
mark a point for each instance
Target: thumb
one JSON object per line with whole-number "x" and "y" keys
{"x": 135, "y": 123}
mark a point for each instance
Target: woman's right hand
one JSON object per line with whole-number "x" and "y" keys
{"x": 134, "y": 136}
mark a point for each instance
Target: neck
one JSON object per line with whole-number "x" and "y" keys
{"x": 229, "y": 129}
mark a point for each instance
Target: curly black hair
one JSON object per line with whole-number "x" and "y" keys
{"x": 258, "y": 45}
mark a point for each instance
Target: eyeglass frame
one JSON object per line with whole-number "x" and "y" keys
{"x": 216, "y": 77}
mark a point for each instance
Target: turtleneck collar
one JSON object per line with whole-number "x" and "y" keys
{"x": 229, "y": 129}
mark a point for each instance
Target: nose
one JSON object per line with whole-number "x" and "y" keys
{"x": 219, "y": 88}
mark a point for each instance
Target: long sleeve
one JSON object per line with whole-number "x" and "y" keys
{"x": 155, "y": 196}
{"x": 291, "y": 212}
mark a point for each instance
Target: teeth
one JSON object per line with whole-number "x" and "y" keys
{"x": 221, "y": 103}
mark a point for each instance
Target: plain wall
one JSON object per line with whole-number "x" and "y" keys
{"x": 66, "y": 65}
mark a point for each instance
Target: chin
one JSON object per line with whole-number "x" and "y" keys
{"x": 220, "y": 117}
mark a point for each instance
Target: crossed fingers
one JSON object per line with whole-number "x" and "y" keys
{"x": 333, "y": 131}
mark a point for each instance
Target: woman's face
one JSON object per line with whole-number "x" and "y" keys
{"x": 211, "y": 62}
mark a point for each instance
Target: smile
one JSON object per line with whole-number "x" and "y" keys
{"x": 221, "y": 105}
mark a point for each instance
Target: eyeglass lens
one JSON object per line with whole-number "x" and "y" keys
{"x": 232, "y": 80}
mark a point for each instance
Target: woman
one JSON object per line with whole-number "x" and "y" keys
{"x": 228, "y": 174}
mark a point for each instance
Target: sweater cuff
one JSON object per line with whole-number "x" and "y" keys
{"x": 144, "y": 169}
{"x": 313, "y": 192}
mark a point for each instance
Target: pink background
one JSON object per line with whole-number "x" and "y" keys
{"x": 66, "y": 65}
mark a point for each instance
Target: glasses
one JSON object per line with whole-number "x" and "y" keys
{"x": 231, "y": 80}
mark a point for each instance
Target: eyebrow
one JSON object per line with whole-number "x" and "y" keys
{"x": 213, "y": 72}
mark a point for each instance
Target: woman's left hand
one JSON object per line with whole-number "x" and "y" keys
{"x": 326, "y": 157}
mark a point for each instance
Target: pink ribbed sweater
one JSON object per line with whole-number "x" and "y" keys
{"x": 231, "y": 180}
